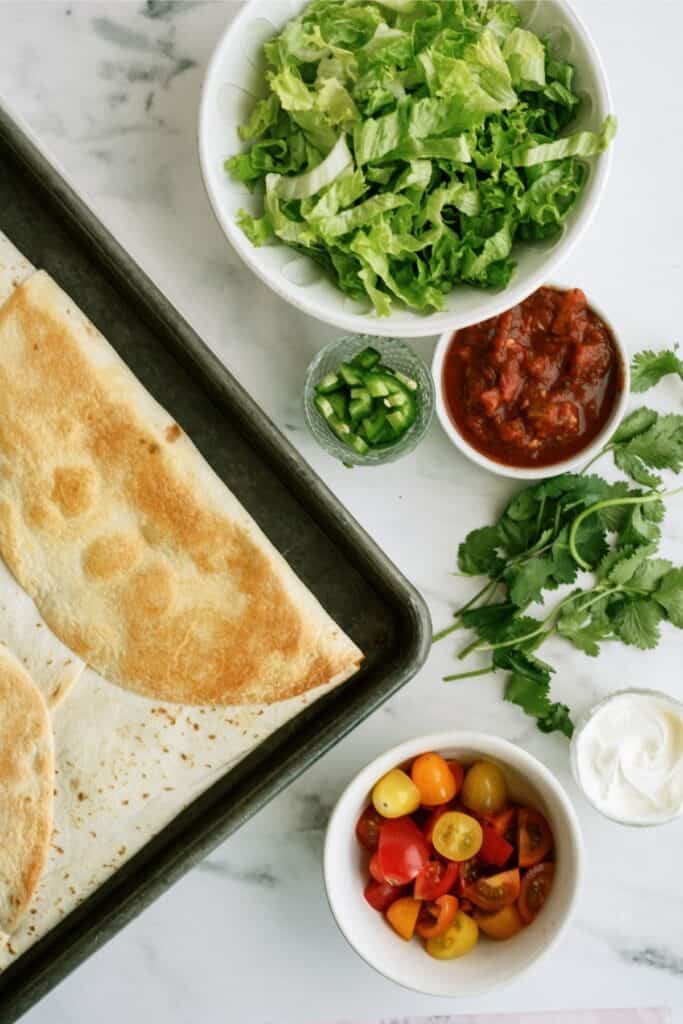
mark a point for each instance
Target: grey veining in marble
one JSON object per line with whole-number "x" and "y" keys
{"x": 111, "y": 89}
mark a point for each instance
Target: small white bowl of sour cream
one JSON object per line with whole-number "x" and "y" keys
{"x": 627, "y": 757}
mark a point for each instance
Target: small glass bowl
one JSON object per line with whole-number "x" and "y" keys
{"x": 576, "y": 741}
{"x": 396, "y": 356}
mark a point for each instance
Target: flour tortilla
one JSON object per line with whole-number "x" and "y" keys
{"x": 26, "y": 789}
{"x": 138, "y": 557}
{"x": 52, "y": 666}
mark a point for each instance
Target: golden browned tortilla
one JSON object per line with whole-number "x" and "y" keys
{"x": 26, "y": 789}
{"x": 136, "y": 554}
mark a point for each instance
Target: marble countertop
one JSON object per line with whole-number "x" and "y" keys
{"x": 111, "y": 89}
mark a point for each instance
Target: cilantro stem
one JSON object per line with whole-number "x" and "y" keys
{"x": 446, "y": 632}
{"x": 485, "y": 591}
{"x": 470, "y": 675}
{"x": 609, "y": 503}
{"x": 603, "y": 451}
{"x": 552, "y": 617}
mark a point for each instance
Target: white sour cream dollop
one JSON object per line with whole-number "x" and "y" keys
{"x": 628, "y": 758}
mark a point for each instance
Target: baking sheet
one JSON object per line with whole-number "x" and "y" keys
{"x": 351, "y": 577}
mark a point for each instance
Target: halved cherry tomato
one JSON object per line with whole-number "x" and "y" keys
{"x": 436, "y": 917}
{"x": 470, "y": 871}
{"x": 457, "y": 836}
{"x": 402, "y": 851}
{"x": 505, "y": 824}
{"x": 495, "y": 892}
{"x": 458, "y": 773}
{"x": 536, "y": 885}
{"x": 374, "y": 868}
{"x": 367, "y": 828}
{"x": 395, "y": 795}
{"x": 535, "y": 838}
{"x": 456, "y": 941}
{"x": 402, "y": 916}
{"x": 495, "y": 849}
{"x": 484, "y": 790}
{"x": 434, "y": 779}
{"x": 435, "y": 879}
{"x": 428, "y": 828}
{"x": 380, "y": 895}
{"x": 503, "y": 924}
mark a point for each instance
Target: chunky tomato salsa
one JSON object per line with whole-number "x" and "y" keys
{"x": 536, "y": 384}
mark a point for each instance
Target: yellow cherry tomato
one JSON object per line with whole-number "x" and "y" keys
{"x": 503, "y": 924}
{"x": 395, "y": 795}
{"x": 484, "y": 790}
{"x": 402, "y": 916}
{"x": 457, "y": 836}
{"x": 434, "y": 779}
{"x": 460, "y": 938}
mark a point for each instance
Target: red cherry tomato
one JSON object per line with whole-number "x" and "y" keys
{"x": 536, "y": 885}
{"x": 380, "y": 895}
{"x": 374, "y": 868}
{"x": 495, "y": 892}
{"x": 470, "y": 871}
{"x": 402, "y": 850}
{"x": 495, "y": 849}
{"x": 505, "y": 824}
{"x": 436, "y": 917}
{"x": 535, "y": 838}
{"x": 367, "y": 828}
{"x": 435, "y": 879}
{"x": 428, "y": 829}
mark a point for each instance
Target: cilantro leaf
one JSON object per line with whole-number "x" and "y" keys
{"x": 635, "y": 620}
{"x": 661, "y": 445}
{"x": 648, "y": 368}
{"x": 585, "y": 625}
{"x": 625, "y": 566}
{"x": 634, "y": 467}
{"x": 669, "y": 594}
{"x": 532, "y": 697}
{"x": 526, "y": 582}
{"x": 478, "y": 553}
{"x": 635, "y": 423}
{"x": 648, "y": 575}
{"x": 614, "y": 516}
{"x": 591, "y": 540}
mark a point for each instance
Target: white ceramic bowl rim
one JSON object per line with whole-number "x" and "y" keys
{"x": 527, "y": 472}
{"x": 356, "y": 796}
{"x": 465, "y": 305}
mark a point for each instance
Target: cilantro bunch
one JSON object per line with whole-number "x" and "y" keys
{"x": 578, "y": 522}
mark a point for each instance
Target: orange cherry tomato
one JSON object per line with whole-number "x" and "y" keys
{"x": 536, "y": 885}
{"x": 434, "y": 779}
{"x": 436, "y": 918}
{"x": 502, "y": 924}
{"x": 535, "y": 839}
{"x": 495, "y": 892}
{"x": 402, "y": 916}
{"x": 458, "y": 773}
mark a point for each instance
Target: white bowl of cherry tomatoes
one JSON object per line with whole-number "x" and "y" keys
{"x": 453, "y": 863}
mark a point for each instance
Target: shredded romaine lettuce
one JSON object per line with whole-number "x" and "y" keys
{"x": 408, "y": 145}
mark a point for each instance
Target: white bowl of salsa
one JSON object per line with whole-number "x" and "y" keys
{"x": 535, "y": 391}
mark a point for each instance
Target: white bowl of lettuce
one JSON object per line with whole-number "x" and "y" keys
{"x": 405, "y": 167}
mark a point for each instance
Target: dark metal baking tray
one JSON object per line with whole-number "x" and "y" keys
{"x": 338, "y": 561}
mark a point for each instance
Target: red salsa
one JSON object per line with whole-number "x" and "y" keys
{"x": 536, "y": 384}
